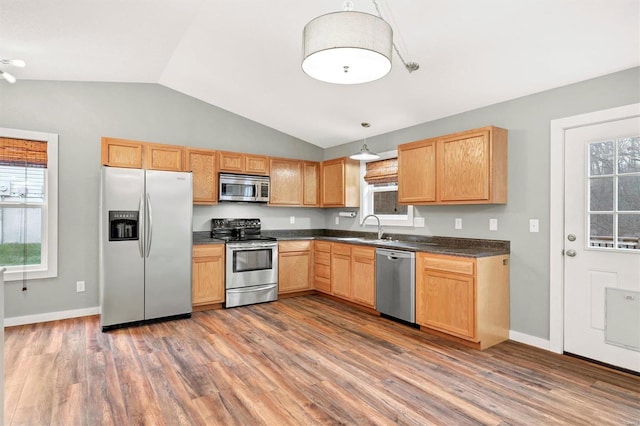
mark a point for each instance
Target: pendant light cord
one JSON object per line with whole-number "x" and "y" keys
{"x": 410, "y": 66}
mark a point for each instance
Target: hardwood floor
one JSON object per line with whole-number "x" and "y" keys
{"x": 305, "y": 360}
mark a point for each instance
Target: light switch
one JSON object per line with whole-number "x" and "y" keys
{"x": 493, "y": 224}
{"x": 458, "y": 223}
{"x": 337, "y": 220}
{"x": 418, "y": 222}
{"x": 292, "y": 220}
{"x": 534, "y": 225}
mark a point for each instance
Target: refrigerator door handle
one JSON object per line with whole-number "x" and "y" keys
{"x": 140, "y": 213}
{"x": 150, "y": 227}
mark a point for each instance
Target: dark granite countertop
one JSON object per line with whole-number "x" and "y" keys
{"x": 465, "y": 247}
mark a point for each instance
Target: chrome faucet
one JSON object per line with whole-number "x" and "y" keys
{"x": 380, "y": 230}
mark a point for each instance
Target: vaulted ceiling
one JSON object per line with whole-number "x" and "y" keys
{"x": 245, "y": 55}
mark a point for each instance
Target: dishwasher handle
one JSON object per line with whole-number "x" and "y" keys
{"x": 394, "y": 255}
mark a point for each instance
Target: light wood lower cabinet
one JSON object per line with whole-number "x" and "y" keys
{"x": 353, "y": 273}
{"x": 322, "y": 266}
{"x": 464, "y": 297}
{"x": 295, "y": 266}
{"x": 208, "y": 274}
{"x": 363, "y": 275}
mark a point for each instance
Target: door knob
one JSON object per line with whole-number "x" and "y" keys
{"x": 571, "y": 237}
{"x": 571, "y": 253}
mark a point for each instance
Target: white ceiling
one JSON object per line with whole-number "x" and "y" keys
{"x": 244, "y": 55}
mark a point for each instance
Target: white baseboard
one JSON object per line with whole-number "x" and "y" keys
{"x": 527, "y": 339}
{"x": 51, "y": 316}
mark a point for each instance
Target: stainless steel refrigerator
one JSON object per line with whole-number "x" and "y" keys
{"x": 145, "y": 245}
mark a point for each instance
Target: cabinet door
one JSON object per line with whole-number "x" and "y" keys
{"x": 231, "y": 162}
{"x": 446, "y": 302}
{"x": 332, "y": 184}
{"x": 208, "y": 274}
{"x": 286, "y": 182}
{"x": 122, "y": 153}
{"x": 256, "y": 165}
{"x": 341, "y": 270}
{"x": 294, "y": 271}
{"x": 202, "y": 163}
{"x": 311, "y": 184}
{"x": 464, "y": 167}
{"x": 363, "y": 275}
{"x": 417, "y": 172}
{"x": 163, "y": 157}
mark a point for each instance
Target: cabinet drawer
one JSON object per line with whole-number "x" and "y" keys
{"x": 363, "y": 252}
{"x": 449, "y": 264}
{"x": 208, "y": 250}
{"x": 322, "y": 258}
{"x": 322, "y": 271}
{"x": 342, "y": 249}
{"x": 322, "y": 246}
{"x": 285, "y": 246}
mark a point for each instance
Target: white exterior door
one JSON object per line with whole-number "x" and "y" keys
{"x": 601, "y": 242}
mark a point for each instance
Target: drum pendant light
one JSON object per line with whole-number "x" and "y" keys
{"x": 347, "y": 47}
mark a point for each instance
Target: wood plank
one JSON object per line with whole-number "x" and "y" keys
{"x": 304, "y": 360}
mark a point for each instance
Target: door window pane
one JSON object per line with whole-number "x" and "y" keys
{"x": 629, "y": 193}
{"x": 601, "y": 158}
{"x": 629, "y": 155}
{"x": 601, "y": 230}
{"x": 601, "y": 194}
{"x": 628, "y": 231}
{"x": 20, "y": 236}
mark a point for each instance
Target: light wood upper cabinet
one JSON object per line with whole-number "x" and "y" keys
{"x": 202, "y": 164}
{"x": 465, "y": 297}
{"x": 236, "y": 162}
{"x": 363, "y": 275}
{"x": 463, "y": 168}
{"x": 340, "y": 183}
{"x": 122, "y": 153}
{"x": 417, "y": 172}
{"x": 310, "y": 183}
{"x": 163, "y": 157}
{"x": 295, "y": 266}
{"x": 285, "y": 182}
{"x": 322, "y": 266}
{"x": 208, "y": 274}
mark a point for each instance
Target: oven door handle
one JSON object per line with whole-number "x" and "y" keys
{"x": 250, "y": 247}
{"x": 252, "y": 288}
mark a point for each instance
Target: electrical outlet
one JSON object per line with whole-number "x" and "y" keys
{"x": 337, "y": 220}
{"x": 79, "y": 286}
{"x": 534, "y": 225}
{"x": 458, "y": 223}
{"x": 292, "y": 220}
{"x": 418, "y": 222}
{"x": 493, "y": 224}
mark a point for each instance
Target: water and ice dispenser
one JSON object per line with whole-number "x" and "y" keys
{"x": 123, "y": 225}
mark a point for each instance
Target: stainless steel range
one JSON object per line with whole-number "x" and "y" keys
{"x": 251, "y": 261}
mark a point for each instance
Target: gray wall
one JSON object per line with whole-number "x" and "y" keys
{"x": 528, "y": 121}
{"x": 83, "y": 112}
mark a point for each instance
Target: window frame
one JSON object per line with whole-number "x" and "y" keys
{"x": 366, "y": 199}
{"x": 48, "y": 267}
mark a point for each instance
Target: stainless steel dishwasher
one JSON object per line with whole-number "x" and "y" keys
{"x": 396, "y": 284}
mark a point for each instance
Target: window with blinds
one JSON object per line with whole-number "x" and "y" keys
{"x": 24, "y": 203}
{"x": 380, "y": 193}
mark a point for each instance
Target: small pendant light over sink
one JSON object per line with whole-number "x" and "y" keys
{"x": 364, "y": 154}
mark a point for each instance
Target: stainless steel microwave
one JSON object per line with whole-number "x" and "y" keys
{"x": 252, "y": 189}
